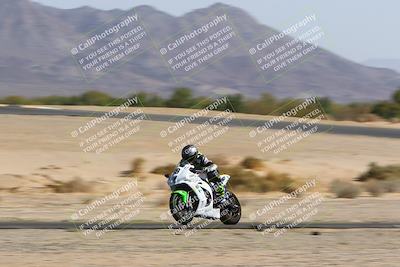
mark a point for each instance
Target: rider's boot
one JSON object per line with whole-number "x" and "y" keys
{"x": 217, "y": 186}
{"x": 220, "y": 195}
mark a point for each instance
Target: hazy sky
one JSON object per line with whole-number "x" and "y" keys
{"x": 356, "y": 29}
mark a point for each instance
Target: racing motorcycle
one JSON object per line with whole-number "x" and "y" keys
{"x": 192, "y": 196}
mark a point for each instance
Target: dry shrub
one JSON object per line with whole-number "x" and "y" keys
{"x": 77, "y": 185}
{"x": 381, "y": 179}
{"x": 137, "y": 165}
{"x": 220, "y": 160}
{"x": 375, "y": 188}
{"x": 247, "y": 180}
{"x": 391, "y": 186}
{"x": 252, "y": 163}
{"x": 368, "y": 118}
{"x": 389, "y": 172}
{"x": 244, "y": 177}
{"x": 166, "y": 169}
{"x": 282, "y": 182}
{"x": 344, "y": 189}
{"x": 242, "y": 180}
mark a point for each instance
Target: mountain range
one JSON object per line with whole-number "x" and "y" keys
{"x": 35, "y": 58}
{"x": 389, "y": 63}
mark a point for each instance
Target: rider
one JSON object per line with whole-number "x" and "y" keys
{"x": 191, "y": 155}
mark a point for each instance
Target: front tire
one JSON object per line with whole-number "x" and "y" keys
{"x": 182, "y": 212}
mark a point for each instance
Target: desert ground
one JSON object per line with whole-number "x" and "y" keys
{"x": 37, "y": 152}
{"x": 206, "y": 248}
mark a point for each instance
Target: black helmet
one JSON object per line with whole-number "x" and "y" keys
{"x": 189, "y": 153}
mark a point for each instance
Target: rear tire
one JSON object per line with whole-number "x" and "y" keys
{"x": 231, "y": 212}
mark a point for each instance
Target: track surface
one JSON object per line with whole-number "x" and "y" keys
{"x": 214, "y": 225}
{"x": 331, "y": 129}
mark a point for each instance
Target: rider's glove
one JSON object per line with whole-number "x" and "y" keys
{"x": 211, "y": 168}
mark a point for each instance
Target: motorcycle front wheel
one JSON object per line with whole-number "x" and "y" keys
{"x": 182, "y": 212}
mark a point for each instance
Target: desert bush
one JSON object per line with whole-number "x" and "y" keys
{"x": 137, "y": 165}
{"x": 247, "y": 180}
{"x": 389, "y": 172}
{"x": 242, "y": 180}
{"x": 387, "y": 109}
{"x": 252, "y": 163}
{"x": 77, "y": 185}
{"x": 181, "y": 98}
{"x": 264, "y": 104}
{"x": 283, "y": 182}
{"x": 391, "y": 186}
{"x": 367, "y": 118}
{"x": 166, "y": 169}
{"x": 352, "y": 111}
{"x": 16, "y": 100}
{"x": 344, "y": 189}
{"x": 220, "y": 160}
{"x": 375, "y": 188}
{"x": 95, "y": 98}
{"x": 396, "y": 96}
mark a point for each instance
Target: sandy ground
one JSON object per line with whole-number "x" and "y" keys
{"x": 38, "y": 151}
{"x": 35, "y": 151}
{"x": 33, "y": 143}
{"x": 204, "y": 248}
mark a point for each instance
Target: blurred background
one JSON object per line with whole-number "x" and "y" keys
{"x": 56, "y": 161}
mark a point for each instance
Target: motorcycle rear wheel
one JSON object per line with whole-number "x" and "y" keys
{"x": 231, "y": 212}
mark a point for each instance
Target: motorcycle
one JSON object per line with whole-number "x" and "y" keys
{"x": 192, "y": 196}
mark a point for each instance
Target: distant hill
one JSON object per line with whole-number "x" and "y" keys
{"x": 387, "y": 63}
{"x": 35, "y": 58}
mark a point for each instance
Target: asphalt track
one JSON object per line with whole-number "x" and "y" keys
{"x": 328, "y": 128}
{"x": 213, "y": 225}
